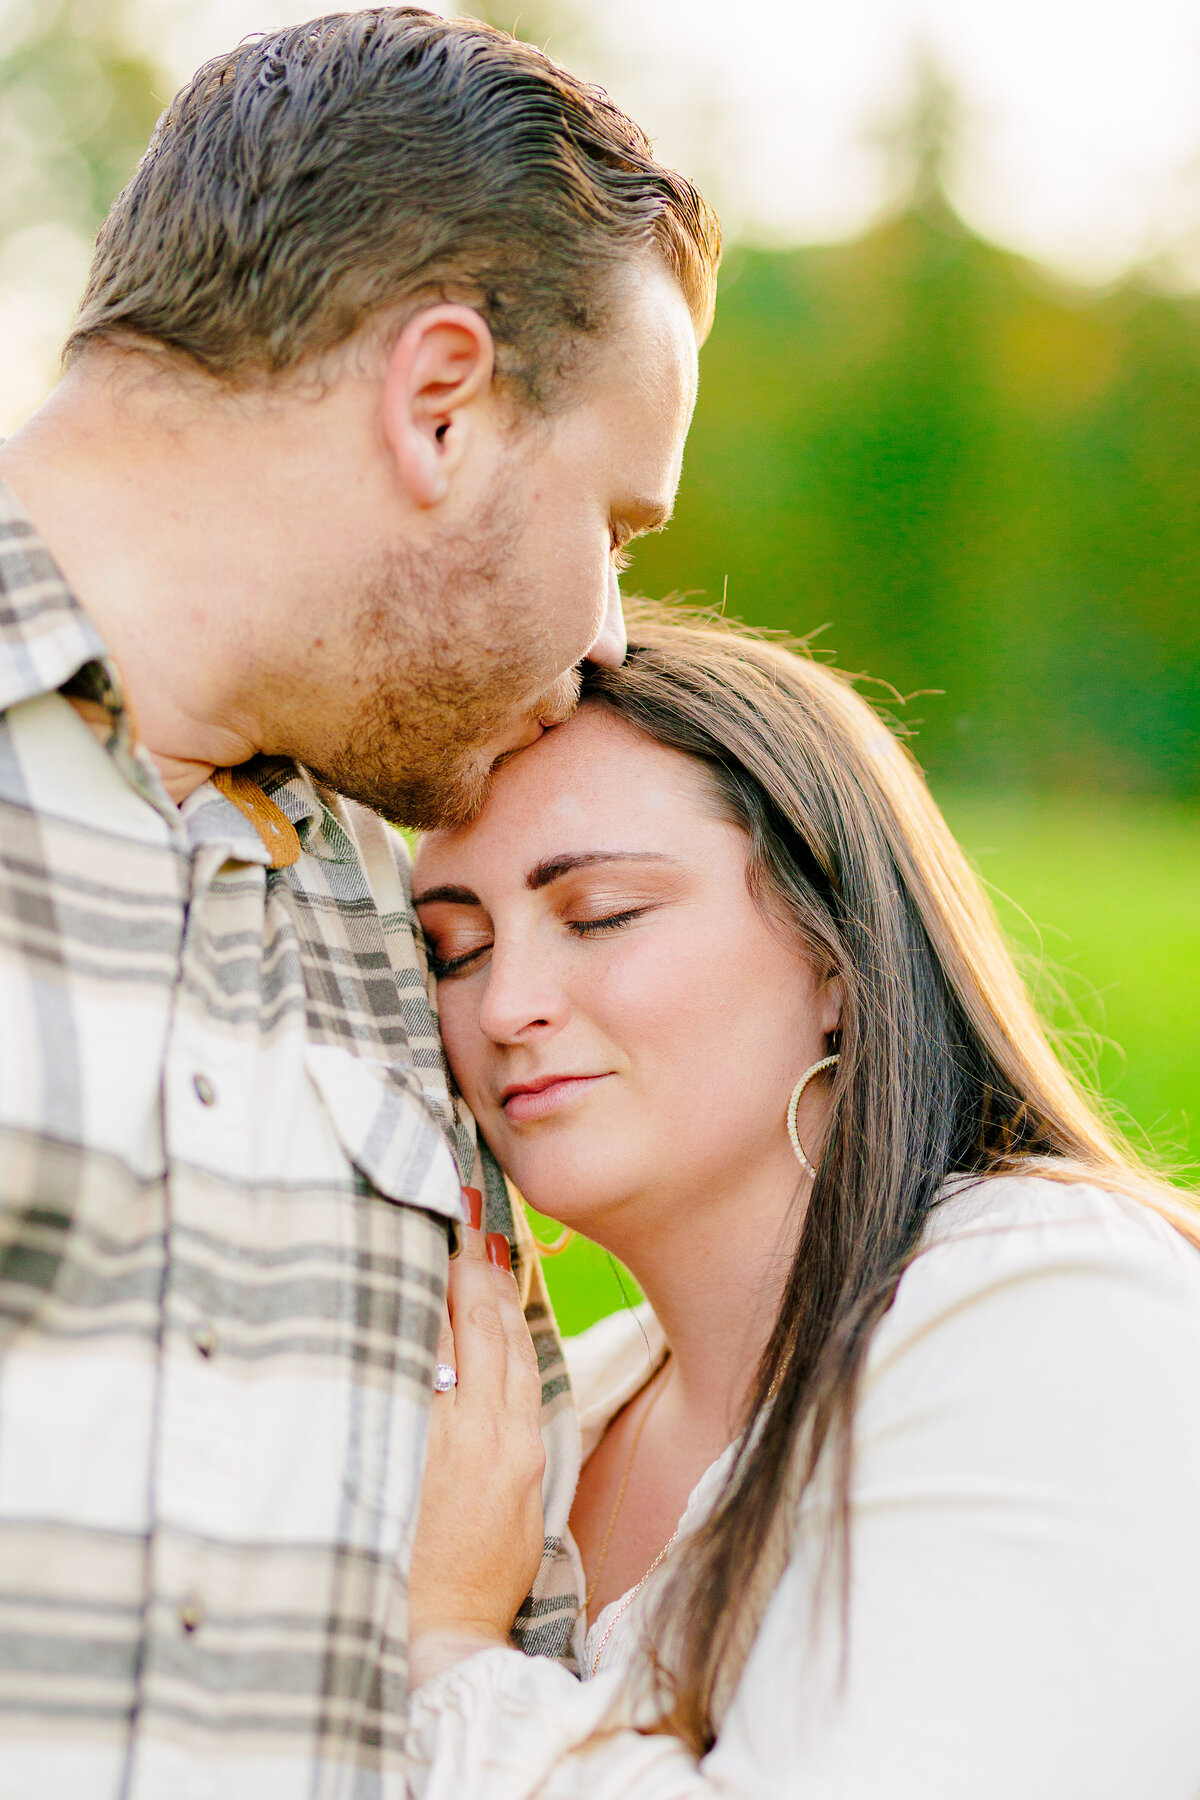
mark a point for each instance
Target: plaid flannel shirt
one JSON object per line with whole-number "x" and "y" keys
{"x": 229, "y": 1168}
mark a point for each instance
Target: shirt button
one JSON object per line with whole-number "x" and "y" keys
{"x": 191, "y": 1615}
{"x": 204, "y": 1337}
{"x": 206, "y": 1093}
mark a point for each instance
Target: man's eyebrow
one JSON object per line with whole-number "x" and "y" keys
{"x": 553, "y": 868}
{"x": 460, "y": 896}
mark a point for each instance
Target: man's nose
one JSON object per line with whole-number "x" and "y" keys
{"x": 608, "y": 651}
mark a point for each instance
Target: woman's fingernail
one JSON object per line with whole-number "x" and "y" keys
{"x": 498, "y": 1250}
{"x": 474, "y": 1200}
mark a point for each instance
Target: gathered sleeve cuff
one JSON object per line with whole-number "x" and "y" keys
{"x": 518, "y": 1727}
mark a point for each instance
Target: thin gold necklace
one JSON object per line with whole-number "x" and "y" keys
{"x": 620, "y": 1500}
{"x": 626, "y": 1601}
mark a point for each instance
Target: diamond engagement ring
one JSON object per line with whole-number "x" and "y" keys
{"x": 445, "y": 1377}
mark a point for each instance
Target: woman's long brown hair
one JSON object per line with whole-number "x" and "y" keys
{"x": 945, "y": 1069}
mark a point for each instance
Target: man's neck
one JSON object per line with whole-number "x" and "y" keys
{"x": 185, "y": 526}
{"x": 145, "y": 565}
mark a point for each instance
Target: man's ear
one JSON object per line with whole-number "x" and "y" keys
{"x": 441, "y": 363}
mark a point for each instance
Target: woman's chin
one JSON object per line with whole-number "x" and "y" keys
{"x": 577, "y": 1190}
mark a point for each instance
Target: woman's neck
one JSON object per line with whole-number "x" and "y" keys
{"x": 713, "y": 1266}
{"x": 714, "y": 1272}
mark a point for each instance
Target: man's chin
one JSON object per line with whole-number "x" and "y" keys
{"x": 448, "y": 805}
{"x": 441, "y": 799}
{"x": 438, "y": 787}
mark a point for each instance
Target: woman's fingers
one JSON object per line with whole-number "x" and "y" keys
{"x": 480, "y": 1343}
{"x": 481, "y": 1534}
{"x": 446, "y": 1356}
{"x": 493, "y": 1351}
{"x": 523, "y": 1378}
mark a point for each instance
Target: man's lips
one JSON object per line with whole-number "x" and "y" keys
{"x": 525, "y": 1100}
{"x": 530, "y": 733}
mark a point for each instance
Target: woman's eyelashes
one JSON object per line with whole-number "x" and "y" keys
{"x": 452, "y": 945}
{"x": 446, "y": 960}
{"x": 621, "y": 556}
{"x": 609, "y": 921}
{"x": 454, "y": 965}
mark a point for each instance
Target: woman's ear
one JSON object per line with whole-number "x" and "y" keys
{"x": 439, "y": 369}
{"x": 829, "y": 1005}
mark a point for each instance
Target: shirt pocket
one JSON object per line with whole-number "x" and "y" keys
{"x": 387, "y": 1129}
{"x": 394, "y": 1234}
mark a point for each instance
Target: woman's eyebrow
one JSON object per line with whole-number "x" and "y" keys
{"x": 459, "y": 896}
{"x": 553, "y": 868}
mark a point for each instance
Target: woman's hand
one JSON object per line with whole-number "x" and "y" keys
{"x": 480, "y": 1533}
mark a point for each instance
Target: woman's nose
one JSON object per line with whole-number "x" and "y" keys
{"x": 521, "y": 996}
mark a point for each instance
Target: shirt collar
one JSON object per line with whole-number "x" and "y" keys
{"x": 45, "y": 635}
{"x": 48, "y": 642}
{"x": 46, "y": 639}
{"x": 300, "y": 799}
{"x": 265, "y": 793}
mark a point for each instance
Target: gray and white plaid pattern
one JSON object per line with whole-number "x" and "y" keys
{"x": 229, "y": 1166}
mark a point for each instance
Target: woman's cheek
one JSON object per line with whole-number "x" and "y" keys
{"x": 662, "y": 991}
{"x": 464, "y": 1043}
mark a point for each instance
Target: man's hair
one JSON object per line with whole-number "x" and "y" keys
{"x": 319, "y": 177}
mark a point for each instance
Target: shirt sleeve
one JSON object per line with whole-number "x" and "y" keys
{"x": 1024, "y": 1618}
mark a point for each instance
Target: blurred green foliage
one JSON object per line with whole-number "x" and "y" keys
{"x": 983, "y": 481}
{"x": 1102, "y": 902}
{"x": 78, "y": 101}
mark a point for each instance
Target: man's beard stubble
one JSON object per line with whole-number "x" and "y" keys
{"x": 447, "y": 641}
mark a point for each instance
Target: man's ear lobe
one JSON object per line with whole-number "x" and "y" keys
{"x": 440, "y": 366}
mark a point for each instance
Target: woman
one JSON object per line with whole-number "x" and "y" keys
{"x": 893, "y": 1491}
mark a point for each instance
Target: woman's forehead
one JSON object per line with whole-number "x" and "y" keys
{"x": 594, "y": 774}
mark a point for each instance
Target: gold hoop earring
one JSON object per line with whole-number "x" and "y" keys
{"x": 561, "y": 1243}
{"x": 826, "y": 1062}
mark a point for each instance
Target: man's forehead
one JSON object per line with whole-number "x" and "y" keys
{"x": 651, "y": 335}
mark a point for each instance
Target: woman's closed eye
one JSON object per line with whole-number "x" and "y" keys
{"x": 456, "y": 953}
{"x": 450, "y": 952}
{"x": 443, "y": 967}
{"x": 607, "y": 922}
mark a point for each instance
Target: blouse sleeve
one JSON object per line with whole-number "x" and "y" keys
{"x": 1024, "y": 1619}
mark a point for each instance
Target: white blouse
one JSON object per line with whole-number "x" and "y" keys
{"x": 1024, "y": 1617}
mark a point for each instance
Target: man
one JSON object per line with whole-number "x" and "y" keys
{"x": 387, "y": 350}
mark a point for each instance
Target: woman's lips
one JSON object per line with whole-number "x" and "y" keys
{"x": 540, "y": 1102}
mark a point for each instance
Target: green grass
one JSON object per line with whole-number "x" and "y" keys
{"x": 585, "y": 1282}
{"x": 1102, "y": 899}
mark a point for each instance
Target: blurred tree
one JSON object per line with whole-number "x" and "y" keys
{"x": 921, "y": 142}
{"x": 556, "y": 26}
{"x": 78, "y": 101}
{"x": 985, "y": 482}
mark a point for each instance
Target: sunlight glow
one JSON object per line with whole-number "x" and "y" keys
{"x": 1079, "y": 140}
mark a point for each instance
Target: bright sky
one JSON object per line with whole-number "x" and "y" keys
{"x": 1082, "y": 142}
